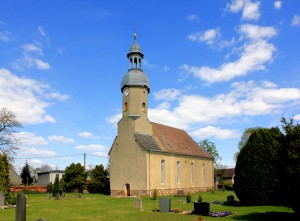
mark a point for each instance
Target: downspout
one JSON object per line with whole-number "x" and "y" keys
{"x": 149, "y": 175}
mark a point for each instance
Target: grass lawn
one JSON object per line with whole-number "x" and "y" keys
{"x": 101, "y": 207}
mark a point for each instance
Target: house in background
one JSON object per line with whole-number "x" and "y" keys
{"x": 14, "y": 178}
{"x": 44, "y": 178}
{"x": 225, "y": 175}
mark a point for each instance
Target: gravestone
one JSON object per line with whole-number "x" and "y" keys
{"x": 48, "y": 196}
{"x": 41, "y": 219}
{"x": 164, "y": 204}
{"x": 180, "y": 193}
{"x": 201, "y": 208}
{"x": 138, "y": 203}
{"x": 63, "y": 194}
{"x": 21, "y": 207}
{"x": 230, "y": 199}
{"x": 79, "y": 196}
{"x": 2, "y": 199}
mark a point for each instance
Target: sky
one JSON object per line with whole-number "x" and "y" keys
{"x": 215, "y": 68}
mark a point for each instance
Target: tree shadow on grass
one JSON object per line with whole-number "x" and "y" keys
{"x": 268, "y": 216}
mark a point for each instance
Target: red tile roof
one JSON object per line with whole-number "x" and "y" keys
{"x": 177, "y": 141}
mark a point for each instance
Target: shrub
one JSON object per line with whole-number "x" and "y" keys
{"x": 228, "y": 186}
{"x": 188, "y": 198}
{"x": 199, "y": 199}
{"x": 154, "y": 194}
{"x": 49, "y": 187}
{"x": 11, "y": 199}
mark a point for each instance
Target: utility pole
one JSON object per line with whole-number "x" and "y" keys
{"x": 84, "y": 157}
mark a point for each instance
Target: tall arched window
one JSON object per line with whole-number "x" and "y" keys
{"x": 193, "y": 173}
{"x": 163, "y": 171}
{"x": 204, "y": 174}
{"x": 178, "y": 175}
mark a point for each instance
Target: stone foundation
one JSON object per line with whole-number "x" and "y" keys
{"x": 160, "y": 192}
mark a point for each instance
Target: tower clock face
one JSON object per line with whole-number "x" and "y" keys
{"x": 126, "y": 92}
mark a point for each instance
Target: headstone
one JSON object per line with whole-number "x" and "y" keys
{"x": 79, "y": 196}
{"x": 180, "y": 193}
{"x": 138, "y": 203}
{"x": 2, "y": 198}
{"x": 41, "y": 219}
{"x": 21, "y": 207}
{"x": 63, "y": 194}
{"x": 230, "y": 199}
{"x": 48, "y": 196}
{"x": 164, "y": 204}
{"x": 201, "y": 208}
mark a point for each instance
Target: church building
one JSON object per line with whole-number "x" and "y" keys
{"x": 147, "y": 156}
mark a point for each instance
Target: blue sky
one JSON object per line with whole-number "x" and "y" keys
{"x": 215, "y": 69}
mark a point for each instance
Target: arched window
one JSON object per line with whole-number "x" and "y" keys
{"x": 193, "y": 173}
{"x": 178, "y": 175}
{"x": 204, "y": 174}
{"x": 163, "y": 171}
{"x": 144, "y": 107}
{"x": 135, "y": 62}
{"x": 125, "y": 106}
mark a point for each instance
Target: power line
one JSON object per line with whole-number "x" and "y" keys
{"x": 28, "y": 158}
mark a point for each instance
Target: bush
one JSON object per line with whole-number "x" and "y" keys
{"x": 11, "y": 199}
{"x": 199, "y": 199}
{"x": 154, "y": 194}
{"x": 49, "y": 187}
{"x": 188, "y": 198}
{"x": 228, "y": 186}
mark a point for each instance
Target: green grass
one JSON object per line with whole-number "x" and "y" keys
{"x": 100, "y": 207}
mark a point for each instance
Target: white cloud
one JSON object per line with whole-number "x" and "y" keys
{"x": 5, "y": 36}
{"x": 250, "y": 10}
{"x": 254, "y": 56}
{"x": 114, "y": 119}
{"x": 297, "y": 117}
{"x": 86, "y": 134}
{"x": 32, "y": 48}
{"x": 41, "y": 31}
{"x": 245, "y": 99}
{"x": 166, "y": 68}
{"x": 27, "y": 98}
{"x": 209, "y": 36}
{"x": 257, "y": 32}
{"x": 27, "y": 152}
{"x": 27, "y": 138}
{"x": 192, "y": 17}
{"x": 90, "y": 147}
{"x": 101, "y": 154}
{"x": 216, "y": 132}
{"x": 60, "y": 138}
{"x": 35, "y": 162}
{"x": 167, "y": 94}
{"x": 296, "y": 20}
{"x": 277, "y": 4}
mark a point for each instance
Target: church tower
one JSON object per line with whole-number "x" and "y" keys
{"x": 135, "y": 88}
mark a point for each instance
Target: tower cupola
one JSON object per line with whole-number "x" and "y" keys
{"x": 135, "y": 77}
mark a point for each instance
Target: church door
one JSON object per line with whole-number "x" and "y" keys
{"x": 127, "y": 189}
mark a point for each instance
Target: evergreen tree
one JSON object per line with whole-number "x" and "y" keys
{"x": 74, "y": 178}
{"x": 291, "y": 159}
{"x": 99, "y": 180}
{"x": 56, "y": 186}
{"x": 4, "y": 174}
{"x": 26, "y": 174}
{"x": 257, "y": 172}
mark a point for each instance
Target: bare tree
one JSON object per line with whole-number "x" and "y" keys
{"x": 8, "y": 122}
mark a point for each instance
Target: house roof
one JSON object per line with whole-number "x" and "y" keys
{"x": 171, "y": 140}
{"x": 51, "y": 171}
{"x": 226, "y": 173}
